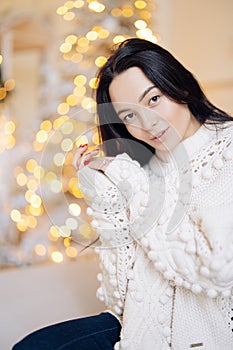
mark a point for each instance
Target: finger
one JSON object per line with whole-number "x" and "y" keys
{"x": 83, "y": 148}
{"x": 99, "y": 163}
{"x": 78, "y": 155}
{"x": 84, "y": 160}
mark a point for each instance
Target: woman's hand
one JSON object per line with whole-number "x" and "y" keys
{"x": 88, "y": 159}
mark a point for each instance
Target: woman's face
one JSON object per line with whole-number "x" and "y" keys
{"x": 148, "y": 114}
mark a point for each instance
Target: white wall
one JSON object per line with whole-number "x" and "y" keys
{"x": 200, "y": 34}
{"x": 36, "y": 296}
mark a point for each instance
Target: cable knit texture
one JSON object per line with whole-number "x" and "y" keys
{"x": 166, "y": 252}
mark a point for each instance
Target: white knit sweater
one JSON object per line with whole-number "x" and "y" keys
{"x": 166, "y": 233}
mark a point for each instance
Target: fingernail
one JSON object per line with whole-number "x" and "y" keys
{"x": 86, "y": 162}
{"x": 81, "y": 146}
{"x": 91, "y": 152}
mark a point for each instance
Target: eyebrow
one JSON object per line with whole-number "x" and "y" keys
{"x": 139, "y": 100}
{"x": 146, "y": 92}
{"x": 122, "y": 111}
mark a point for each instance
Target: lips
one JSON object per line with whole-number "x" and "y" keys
{"x": 159, "y": 135}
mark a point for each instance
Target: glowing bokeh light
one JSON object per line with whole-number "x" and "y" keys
{"x": 57, "y": 257}
{"x": 74, "y": 209}
{"x": 140, "y": 4}
{"x": 40, "y": 249}
{"x": 96, "y": 6}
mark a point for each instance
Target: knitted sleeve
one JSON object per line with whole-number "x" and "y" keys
{"x": 110, "y": 196}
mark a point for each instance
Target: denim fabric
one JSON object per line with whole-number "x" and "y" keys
{"x": 99, "y": 332}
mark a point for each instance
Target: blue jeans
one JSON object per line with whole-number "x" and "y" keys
{"x": 99, "y": 332}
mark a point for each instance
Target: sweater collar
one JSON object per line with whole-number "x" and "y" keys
{"x": 185, "y": 150}
{"x": 190, "y": 145}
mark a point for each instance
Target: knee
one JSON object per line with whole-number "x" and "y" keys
{"x": 17, "y": 346}
{"x": 24, "y": 344}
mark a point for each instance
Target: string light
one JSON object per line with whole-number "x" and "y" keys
{"x": 5, "y": 87}
{"x": 92, "y": 35}
{"x": 57, "y": 257}
{"x": 63, "y": 108}
{"x": 140, "y": 24}
{"x": 69, "y": 16}
{"x": 78, "y": 4}
{"x": 100, "y": 61}
{"x": 96, "y": 6}
{"x": 7, "y": 129}
{"x": 87, "y": 50}
{"x": 69, "y": 4}
{"x": 71, "y": 39}
{"x": 140, "y": 4}
{"x": 40, "y": 250}
{"x": 127, "y": 12}
{"x": 62, "y": 10}
{"x": 138, "y": 15}
{"x": 93, "y": 83}
{"x": 118, "y": 39}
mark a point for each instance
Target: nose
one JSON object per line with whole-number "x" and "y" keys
{"x": 149, "y": 121}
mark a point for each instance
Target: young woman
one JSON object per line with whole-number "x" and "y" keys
{"x": 162, "y": 203}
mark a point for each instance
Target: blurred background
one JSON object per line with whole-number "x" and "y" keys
{"x": 50, "y": 52}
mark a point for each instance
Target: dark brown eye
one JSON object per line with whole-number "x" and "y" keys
{"x": 154, "y": 99}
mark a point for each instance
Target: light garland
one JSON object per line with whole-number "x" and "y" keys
{"x": 7, "y": 86}
{"x": 85, "y": 52}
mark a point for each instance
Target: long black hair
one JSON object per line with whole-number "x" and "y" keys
{"x": 166, "y": 73}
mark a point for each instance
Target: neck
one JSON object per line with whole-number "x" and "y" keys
{"x": 188, "y": 146}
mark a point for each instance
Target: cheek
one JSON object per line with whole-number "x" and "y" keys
{"x": 135, "y": 131}
{"x": 176, "y": 116}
